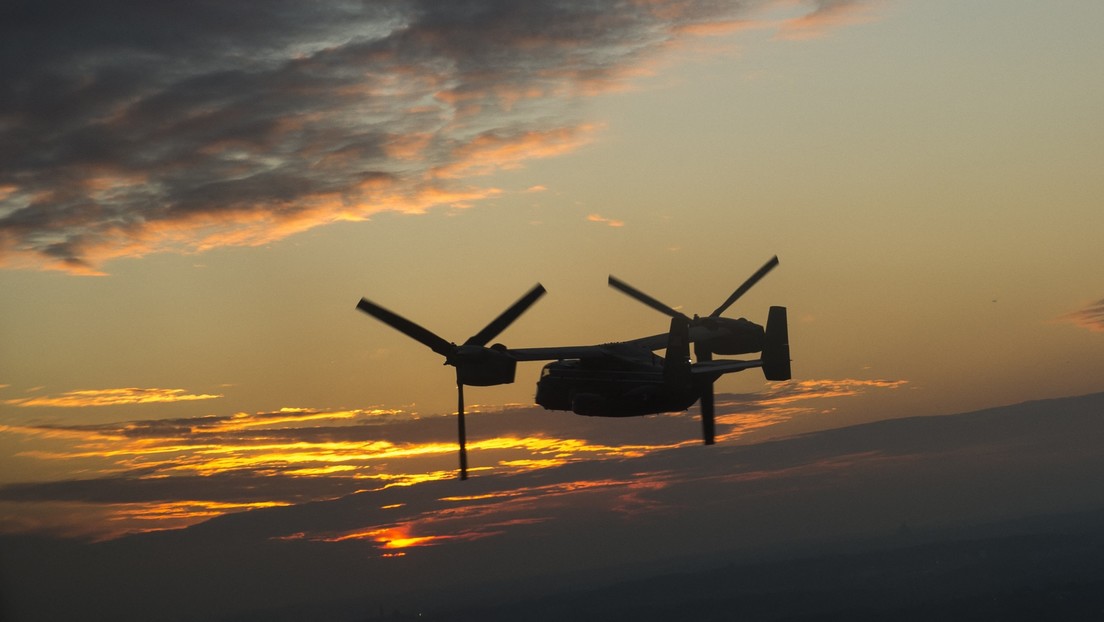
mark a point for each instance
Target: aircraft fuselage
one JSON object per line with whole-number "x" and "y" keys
{"x": 597, "y": 389}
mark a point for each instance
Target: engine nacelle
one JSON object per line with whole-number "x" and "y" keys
{"x": 483, "y": 367}
{"x": 726, "y": 336}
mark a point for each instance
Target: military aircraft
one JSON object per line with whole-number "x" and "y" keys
{"x": 621, "y": 379}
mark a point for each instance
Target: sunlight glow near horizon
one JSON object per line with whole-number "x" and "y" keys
{"x": 486, "y": 516}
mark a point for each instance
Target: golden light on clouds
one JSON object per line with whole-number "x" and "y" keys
{"x": 389, "y": 537}
{"x": 740, "y": 424}
{"x": 491, "y": 152}
{"x": 255, "y": 460}
{"x": 243, "y": 421}
{"x": 796, "y": 390}
{"x": 611, "y": 222}
{"x": 826, "y": 16}
{"x": 176, "y": 514}
{"x": 111, "y": 397}
{"x": 404, "y": 136}
{"x": 468, "y": 518}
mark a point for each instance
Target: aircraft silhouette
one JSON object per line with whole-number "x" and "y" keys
{"x": 620, "y": 379}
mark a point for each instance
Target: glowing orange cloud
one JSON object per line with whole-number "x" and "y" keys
{"x": 719, "y": 28}
{"x": 489, "y": 152}
{"x": 251, "y": 225}
{"x": 828, "y": 14}
{"x": 740, "y": 424}
{"x": 298, "y": 416}
{"x": 482, "y": 516}
{"x": 112, "y": 397}
{"x": 1090, "y": 318}
{"x": 605, "y": 221}
{"x": 157, "y": 516}
{"x": 111, "y": 520}
{"x": 375, "y": 132}
{"x": 397, "y": 537}
{"x": 779, "y": 403}
{"x": 796, "y": 390}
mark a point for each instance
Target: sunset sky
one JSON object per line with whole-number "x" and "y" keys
{"x": 194, "y": 196}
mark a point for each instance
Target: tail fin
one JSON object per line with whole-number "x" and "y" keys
{"x": 676, "y": 362}
{"x": 776, "y": 347}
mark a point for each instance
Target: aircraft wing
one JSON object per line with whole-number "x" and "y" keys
{"x": 555, "y": 353}
{"x": 653, "y": 343}
{"x": 723, "y": 367}
{"x": 659, "y": 342}
{"x": 624, "y": 350}
{"x": 647, "y": 344}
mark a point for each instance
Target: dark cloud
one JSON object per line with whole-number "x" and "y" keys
{"x": 134, "y": 127}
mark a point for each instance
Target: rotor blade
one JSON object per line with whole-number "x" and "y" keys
{"x": 631, "y": 291}
{"x": 508, "y": 316}
{"x": 707, "y": 409}
{"x": 748, "y": 284}
{"x": 406, "y": 327}
{"x": 707, "y": 415}
{"x": 461, "y": 432}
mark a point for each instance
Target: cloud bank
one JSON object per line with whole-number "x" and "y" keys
{"x": 137, "y": 127}
{"x": 153, "y": 474}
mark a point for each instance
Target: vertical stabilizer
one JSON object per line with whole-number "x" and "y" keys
{"x": 776, "y": 348}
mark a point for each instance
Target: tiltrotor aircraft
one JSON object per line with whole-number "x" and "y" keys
{"x": 621, "y": 379}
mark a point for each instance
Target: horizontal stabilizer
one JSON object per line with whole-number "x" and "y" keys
{"x": 723, "y": 367}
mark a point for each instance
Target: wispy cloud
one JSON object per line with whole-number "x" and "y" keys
{"x": 453, "y": 518}
{"x": 1091, "y": 317}
{"x": 612, "y": 222}
{"x": 111, "y": 397}
{"x": 137, "y": 128}
{"x": 740, "y": 414}
{"x": 795, "y": 390}
{"x": 825, "y": 16}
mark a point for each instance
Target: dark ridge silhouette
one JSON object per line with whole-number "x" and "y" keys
{"x": 1046, "y": 568}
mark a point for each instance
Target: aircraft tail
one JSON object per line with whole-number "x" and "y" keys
{"x": 776, "y": 347}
